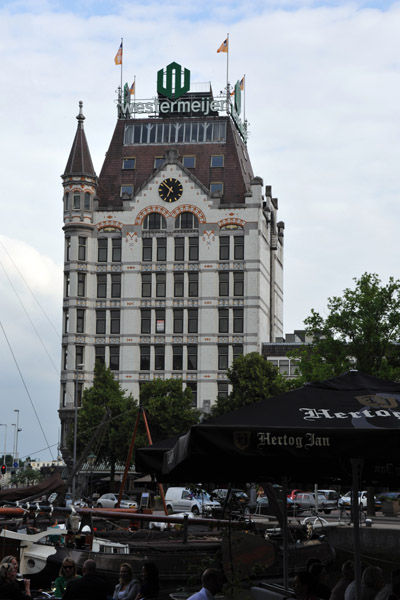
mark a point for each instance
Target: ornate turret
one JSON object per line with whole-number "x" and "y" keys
{"x": 80, "y": 161}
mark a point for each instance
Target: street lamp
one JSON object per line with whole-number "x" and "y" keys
{"x": 16, "y": 410}
{"x": 77, "y": 369}
{"x": 5, "y": 442}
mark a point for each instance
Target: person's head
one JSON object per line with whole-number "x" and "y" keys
{"x": 150, "y": 572}
{"x": 318, "y": 572}
{"x": 125, "y": 573}
{"x": 89, "y": 567}
{"x": 373, "y": 578}
{"x": 68, "y": 568}
{"x": 12, "y": 560}
{"x": 348, "y": 570}
{"x": 212, "y": 580}
{"x": 53, "y": 522}
{"x": 303, "y": 585}
{"x": 7, "y": 572}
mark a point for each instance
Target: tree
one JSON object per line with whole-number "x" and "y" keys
{"x": 27, "y": 476}
{"x": 253, "y": 379}
{"x": 168, "y": 407}
{"x": 361, "y": 331}
{"x": 107, "y": 395}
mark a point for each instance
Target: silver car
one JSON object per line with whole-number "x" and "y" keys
{"x": 110, "y": 500}
{"x": 308, "y": 502}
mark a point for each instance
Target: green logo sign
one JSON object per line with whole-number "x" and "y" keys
{"x": 173, "y": 88}
{"x": 238, "y": 98}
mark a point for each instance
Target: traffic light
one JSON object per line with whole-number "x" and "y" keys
{"x": 3, "y": 469}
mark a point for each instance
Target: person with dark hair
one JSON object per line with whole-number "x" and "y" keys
{"x": 87, "y": 587}
{"x": 150, "y": 586}
{"x": 211, "y": 581}
{"x": 347, "y": 577}
{"x": 303, "y": 586}
{"x": 128, "y": 587}
{"x": 320, "y": 577}
{"x": 66, "y": 573}
{"x": 9, "y": 588}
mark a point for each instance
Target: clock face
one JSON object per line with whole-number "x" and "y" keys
{"x": 170, "y": 190}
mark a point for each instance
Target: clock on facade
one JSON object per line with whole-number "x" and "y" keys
{"x": 170, "y": 190}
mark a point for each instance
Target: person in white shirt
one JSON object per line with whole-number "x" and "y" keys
{"x": 211, "y": 581}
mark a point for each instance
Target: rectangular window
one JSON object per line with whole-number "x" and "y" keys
{"x": 147, "y": 249}
{"x": 238, "y": 247}
{"x": 223, "y": 320}
{"x": 177, "y": 358}
{"x": 82, "y": 248}
{"x": 67, "y": 284}
{"x": 160, "y": 320}
{"x": 77, "y": 201}
{"x": 216, "y": 187}
{"x": 116, "y": 249}
{"x": 193, "y": 285}
{"x": 100, "y": 322}
{"x": 193, "y": 325}
{"x": 224, "y": 284}
{"x": 64, "y": 395}
{"x": 102, "y": 246}
{"x": 193, "y": 248}
{"x": 222, "y": 390}
{"x": 79, "y": 356}
{"x": 223, "y": 350}
{"x": 145, "y": 358}
{"x": 224, "y": 247}
{"x": 178, "y": 320}
{"x": 161, "y": 249}
{"x": 66, "y": 321}
{"x": 87, "y": 201}
{"x": 78, "y": 393}
{"x": 102, "y": 285}
{"x": 81, "y": 284}
{"x": 114, "y": 358}
{"x": 189, "y": 162}
{"x": 80, "y": 320}
{"x": 145, "y": 320}
{"x": 192, "y": 358}
{"x": 158, "y": 162}
{"x": 115, "y": 321}
{"x": 192, "y": 385}
{"x": 237, "y": 351}
{"x": 238, "y": 283}
{"x": 179, "y": 249}
{"x": 161, "y": 285}
{"x": 217, "y": 161}
{"x": 146, "y": 285}
{"x": 128, "y": 164}
{"x": 68, "y": 248}
{"x": 159, "y": 358}
{"x": 126, "y": 189}
{"x": 65, "y": 357}
{"x": 178, "y": 285}
{"x": 116, "y": 285}
{"x": 100, "y": 354}
{"x": 238, "y": 320}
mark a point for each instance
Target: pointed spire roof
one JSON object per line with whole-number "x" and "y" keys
{"x": 79, "y": 161}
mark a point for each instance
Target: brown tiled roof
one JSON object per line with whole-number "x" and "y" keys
{"x": 236, "y": 174}
{"x": 80, "y": 161}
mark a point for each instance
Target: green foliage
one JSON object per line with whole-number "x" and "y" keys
{"x": 27, "y": 476}
{"x": 253, "y": 379}
{"x": 168, "y": 408}
{"x": 360, "y": 331}
{"x": 106, "y": 396}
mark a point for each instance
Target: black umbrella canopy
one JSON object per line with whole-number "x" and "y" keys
{"x": 312, "y": 431}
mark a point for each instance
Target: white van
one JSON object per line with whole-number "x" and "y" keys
{"x": 180, "y": 499}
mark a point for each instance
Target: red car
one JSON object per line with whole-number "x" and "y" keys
{"x": 294, "y": 493}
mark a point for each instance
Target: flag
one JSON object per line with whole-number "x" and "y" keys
{"x": 242, "y": 83}
{"x": 132, "y": 89}
{"x": 224, "y": 46}
{"x": 118, "y": 56}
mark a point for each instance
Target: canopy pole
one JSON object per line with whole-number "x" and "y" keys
{"x": 285, "y": 533}
{"x": 355, "y": 468}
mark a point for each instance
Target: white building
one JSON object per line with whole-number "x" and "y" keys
{"x": 173, "y": 255}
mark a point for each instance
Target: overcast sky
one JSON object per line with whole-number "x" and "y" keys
{"x": 322, "y": 100}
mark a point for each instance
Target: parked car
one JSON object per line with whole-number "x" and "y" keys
{"x": 110, "y": 500}
{"x": 237, "y": 496}
{"x": 180, "y": 499}
{"x": 294, "y": 493}
{"x": 308, "y": 501}
{"x": 345, "y": 501}
{"x": 330, "y": 495}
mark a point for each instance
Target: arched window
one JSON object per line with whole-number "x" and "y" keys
{"x": 66, "y": 201}
{"x": 186, "y": 220}
{"x": 154, "y": 221}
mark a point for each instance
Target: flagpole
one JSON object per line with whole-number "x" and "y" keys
{"x": 227, "y": 75}
{"x": 134, "y": 94}
{"x": 244, "y": 97}
{"x": 122, "y": 58}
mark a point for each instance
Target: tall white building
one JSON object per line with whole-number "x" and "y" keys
{"x": 174, "y": 254}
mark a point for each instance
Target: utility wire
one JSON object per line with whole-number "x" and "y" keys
{"x": 26, "y": 389}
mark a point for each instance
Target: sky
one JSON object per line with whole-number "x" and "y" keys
{"x": 322, "y": 101}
